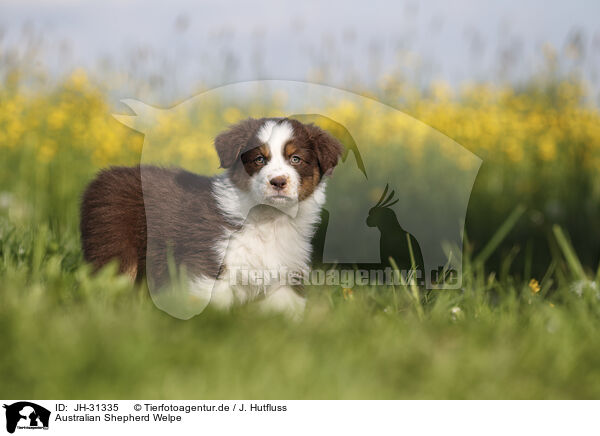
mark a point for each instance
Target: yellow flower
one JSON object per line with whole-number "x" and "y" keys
{"x": 514, "y": 150}
{"x": 534, "y": 286}
{"x": 547, "y": 148}
{"x": 441, "y": 90}
{"x": 232, "y": 115}
{"x": 79, "y": 78}
{"x": 348, "y": 294}
{"x": 57, "y": 118}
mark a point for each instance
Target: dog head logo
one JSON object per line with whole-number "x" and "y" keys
{"x": 384, "y": 152}
{"x": 26, "y": 415}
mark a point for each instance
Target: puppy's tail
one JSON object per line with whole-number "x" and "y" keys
{"x": 113, "y": 221}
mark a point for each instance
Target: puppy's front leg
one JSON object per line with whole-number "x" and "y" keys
{"x": 284, "y": 300}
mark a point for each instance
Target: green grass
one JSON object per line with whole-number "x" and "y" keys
{"x": 65, "y": 333}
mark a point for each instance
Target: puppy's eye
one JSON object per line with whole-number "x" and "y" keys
{"x": 260, "y": 160}
{"x": 295, "y": 160}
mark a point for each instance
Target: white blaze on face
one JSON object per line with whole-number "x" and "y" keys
{"x": 276, "y": 135}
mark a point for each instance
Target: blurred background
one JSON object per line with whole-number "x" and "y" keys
{"x": 173, "y": 49}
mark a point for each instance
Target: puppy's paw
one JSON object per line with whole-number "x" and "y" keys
{"x": 286, "y": 301}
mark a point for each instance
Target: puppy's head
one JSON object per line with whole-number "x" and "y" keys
{"x": 278, "y": 161}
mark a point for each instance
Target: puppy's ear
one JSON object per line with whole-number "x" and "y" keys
{"x": 231, "y": 143}
{"x": 327, "y": 147}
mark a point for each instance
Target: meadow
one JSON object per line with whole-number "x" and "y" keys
{"x": 524, "y": 325}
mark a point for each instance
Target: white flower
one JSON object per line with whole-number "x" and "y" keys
{"x": 579, "y": 286}
{"x": 456, "y": 313}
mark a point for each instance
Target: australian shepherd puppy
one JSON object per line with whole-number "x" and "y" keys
{"x": 259, "y": 215}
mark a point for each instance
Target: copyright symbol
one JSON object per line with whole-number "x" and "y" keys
{"x": 137, "y": 407}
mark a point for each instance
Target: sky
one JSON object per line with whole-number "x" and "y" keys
{"x": 179, "y": 45}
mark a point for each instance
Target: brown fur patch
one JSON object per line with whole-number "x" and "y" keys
{"x": 319, "y": 152}
{"x": 307, "y": 168}
{"x": 327, "y": 148}
{"x": 176, "y": 209}
{"x": 249, "y": 159}
{"x": 239, "y": 138}
{"x": 113, "y": 220}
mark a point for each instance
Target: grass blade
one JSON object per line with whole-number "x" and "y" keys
{"x": 569, "y": 253}
{"x": 499, "y": 236}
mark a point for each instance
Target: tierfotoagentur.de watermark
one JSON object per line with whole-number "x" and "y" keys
{"x": 346, "y": 278}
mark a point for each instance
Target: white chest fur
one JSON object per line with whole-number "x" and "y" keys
{"x": 270, "y": 245}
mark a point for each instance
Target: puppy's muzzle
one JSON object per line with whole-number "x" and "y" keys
{"x": 278, "y": 183}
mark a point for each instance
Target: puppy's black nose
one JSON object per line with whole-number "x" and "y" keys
{"x": 278, "y": 182}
